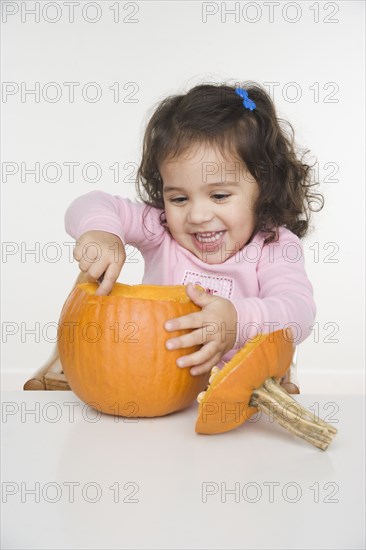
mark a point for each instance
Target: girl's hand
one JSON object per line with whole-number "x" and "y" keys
{"x": 98, "y": 253}
{"x": 215, "y": 328}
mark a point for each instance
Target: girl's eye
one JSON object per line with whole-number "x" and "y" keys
{"x": 221, "y": 197}
{"x": 217, "y": 196}
{"x": 178, "y": 200}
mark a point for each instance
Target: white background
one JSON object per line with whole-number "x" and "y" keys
{"x": 313, "y": 49}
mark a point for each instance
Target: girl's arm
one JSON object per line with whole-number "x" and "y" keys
{"x": 100, "y": 211}
{"x": 285, "y": 296}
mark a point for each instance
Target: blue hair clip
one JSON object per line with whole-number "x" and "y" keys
{"x": 248, "y": 103}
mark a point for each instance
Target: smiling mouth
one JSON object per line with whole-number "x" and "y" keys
{"x": 209, "y": 237}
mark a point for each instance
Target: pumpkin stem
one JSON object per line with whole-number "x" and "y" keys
{"x": 272, "y": 399}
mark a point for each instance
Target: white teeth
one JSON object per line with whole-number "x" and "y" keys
{"x": 209, "y": 237}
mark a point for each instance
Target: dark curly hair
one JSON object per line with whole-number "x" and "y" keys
{"x": 211, "y": 114}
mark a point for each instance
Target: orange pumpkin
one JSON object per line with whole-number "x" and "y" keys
{"x": 112, "y": 349}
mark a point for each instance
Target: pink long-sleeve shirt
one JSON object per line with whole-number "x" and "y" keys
{"x": 267, "y": 284}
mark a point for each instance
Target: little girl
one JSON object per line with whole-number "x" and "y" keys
{"x": 225, "y": 202}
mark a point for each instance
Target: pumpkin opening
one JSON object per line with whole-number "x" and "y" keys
{"x": 142, "y": 292}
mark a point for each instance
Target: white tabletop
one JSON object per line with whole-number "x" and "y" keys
{"x": 155, "y": 483}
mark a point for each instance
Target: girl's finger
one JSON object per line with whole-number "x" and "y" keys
{"x": 201, "y": 369}
{"x": 207, "y": 365}
{"x": 86, "y": 266}
{"x": 110, "y": 276}
{"x": 190, "y": 321}
{"x": 194, "y": 338}
{"x": 77, "y": 253}
{"x": 205, "y": 354}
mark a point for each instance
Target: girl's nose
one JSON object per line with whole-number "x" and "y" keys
{"x": 199, "y": 214}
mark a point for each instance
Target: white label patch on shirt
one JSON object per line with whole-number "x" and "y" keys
{"x": 213, "y": 284}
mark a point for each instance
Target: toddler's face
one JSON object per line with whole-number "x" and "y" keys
{"x": 209, "y": 203}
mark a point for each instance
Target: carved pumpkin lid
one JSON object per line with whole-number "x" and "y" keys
{"x": 225, "y": 405}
